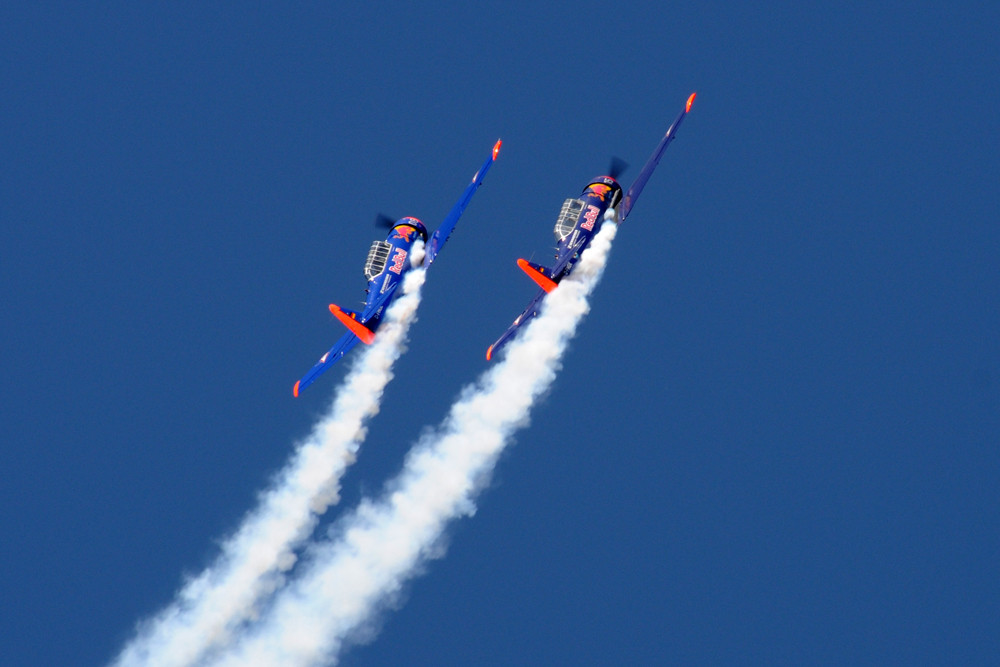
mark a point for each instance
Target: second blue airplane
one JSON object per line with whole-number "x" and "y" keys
{"x": 579, "y": 221}
{"x": 388, "y": 262}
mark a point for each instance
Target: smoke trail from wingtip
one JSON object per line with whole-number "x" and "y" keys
{"x": 383, "y": 543}
{"x": 253, "y": 561}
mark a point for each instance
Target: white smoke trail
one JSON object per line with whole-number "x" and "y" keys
{"x": 382, "y": 543}
{"x": 253, "y": 560}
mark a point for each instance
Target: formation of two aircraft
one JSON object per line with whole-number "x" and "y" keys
{"x": 388, "y": 261}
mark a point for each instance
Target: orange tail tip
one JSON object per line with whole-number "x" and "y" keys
{"x": 295, "y": 389}
{"x": 366, "y": 335}
{"x": 690, "y": 102}
{"x": 543, "y": 280}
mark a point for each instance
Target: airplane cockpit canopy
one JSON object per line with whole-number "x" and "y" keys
{"x": 378, "y": 257}
{"x": 568, "y": 217}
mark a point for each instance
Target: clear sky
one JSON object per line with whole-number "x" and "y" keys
{"x": 775, "y": 437}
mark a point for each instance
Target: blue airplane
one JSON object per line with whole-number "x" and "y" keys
{"x": 579, "y": 221}
{"x": 388, "y": 262}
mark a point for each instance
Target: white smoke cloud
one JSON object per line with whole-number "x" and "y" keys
{"x": 255, "y": 559}
{"x": 383, "y": 543}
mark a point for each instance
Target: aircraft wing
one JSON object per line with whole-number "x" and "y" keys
{"x": 647, "y": 170}
{"x": 525, "y": 317}
{"x": 346, "y": 342}
{"x": 448, "y": 226}
{"x": 340, "y": 348}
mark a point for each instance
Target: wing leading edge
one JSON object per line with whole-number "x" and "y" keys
{"x": 448, "y": 226}
{"x": 339, "y": 349}
{"x": 525, "y": 317}
{"x": 647, "y": 170}
{"x": 358, "y": 332}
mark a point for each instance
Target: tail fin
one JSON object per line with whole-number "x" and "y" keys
{"x": 540, "y": 274}
{"x": 349, "y": 319}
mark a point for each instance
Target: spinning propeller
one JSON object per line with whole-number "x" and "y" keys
{"x": 616, "y": 167}
{"x": 382, "y": 220}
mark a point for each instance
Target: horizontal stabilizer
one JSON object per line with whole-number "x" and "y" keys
{"x": 540, "y": 274}
{"x": 349, "y": 319}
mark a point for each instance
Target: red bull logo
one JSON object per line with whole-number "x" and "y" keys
{"x": 397, "y": 261}
{"x": 403, "y": 232}
{"x": 590, "y": 217}
{"x": 599, "y": 190}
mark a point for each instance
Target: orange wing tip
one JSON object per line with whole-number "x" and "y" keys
{"x": 489, "y": 353}
{"x": 690, "y": 102}
{"x": 295, "y": 389}
{"x": 543, "y": 281}
{"x": 496, "y": 148}
{"x": 366, "y": 335}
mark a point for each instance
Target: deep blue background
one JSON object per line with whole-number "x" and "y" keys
{"x": 775, "y": 439}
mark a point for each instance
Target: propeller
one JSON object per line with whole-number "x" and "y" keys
{"x": 382, "y": 220}
{"x": 616, "y": 167}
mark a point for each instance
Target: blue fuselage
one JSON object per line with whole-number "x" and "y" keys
{"x": 393, "y": 261}
{"x": 603, "y": 193}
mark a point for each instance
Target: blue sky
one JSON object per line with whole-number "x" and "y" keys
{"x": 774, "y": 440}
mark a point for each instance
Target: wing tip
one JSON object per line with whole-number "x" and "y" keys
{"x": 690, "y": 102}
{"x": 496, "y": 148}
{"x": 489, "y": 352}
{"x": 295, "y": 389}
